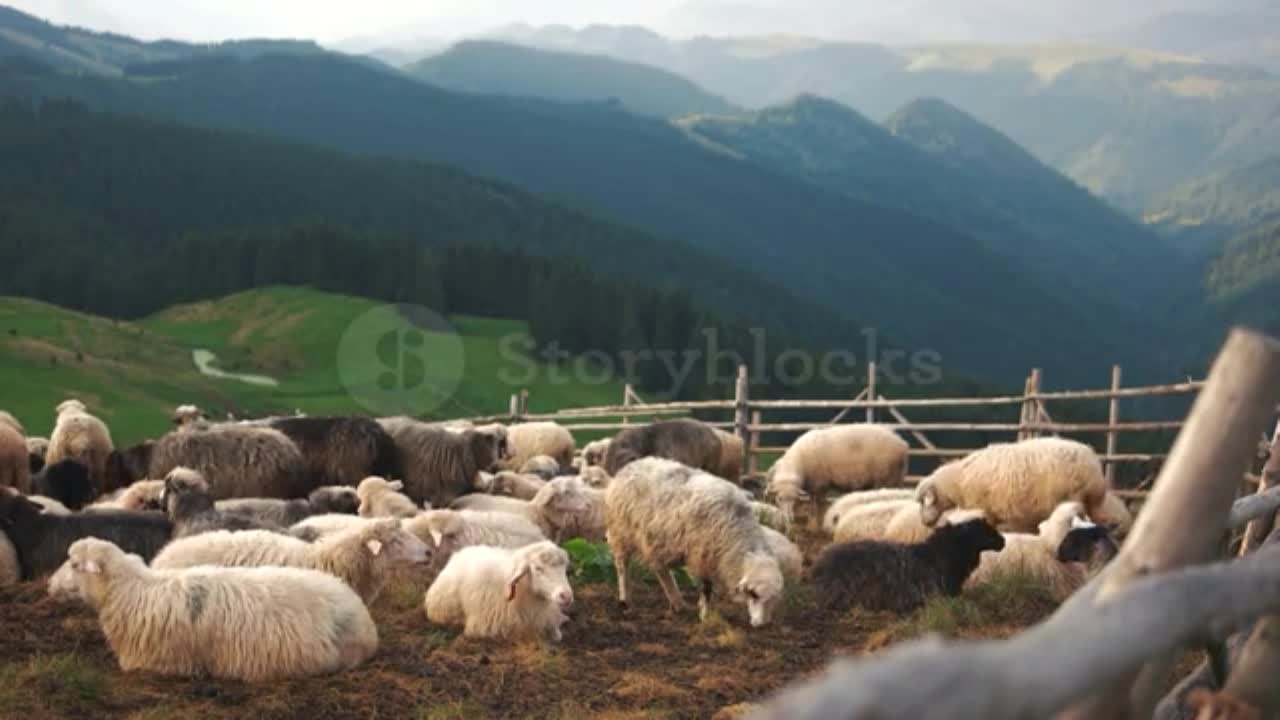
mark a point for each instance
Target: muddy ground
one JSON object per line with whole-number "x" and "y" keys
{"x": 54, "y": 662}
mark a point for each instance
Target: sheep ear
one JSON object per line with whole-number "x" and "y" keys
{"x": 521, "y": 570}
{"x": 92, "y": 567}
{"x": 437, "y": 537}
{"x": 397, "y": 485}
{"x": 375, "y": 547}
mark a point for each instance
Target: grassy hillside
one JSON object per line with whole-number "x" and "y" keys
{"x": 135, "y": 373}
{"x": 502, "y": 69}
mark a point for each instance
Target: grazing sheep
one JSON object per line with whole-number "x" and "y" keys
{"x": 671, "y": 514}
{"x": 516, "y": 485}
{"x": 593, "y": 453}
{"x": 850, "y": 457}
{"x": 503, "y": 593}
{"x": 595, "y": 476}
{"x": 77, "y": 435}
{"x": 731, "y": 454}
{"x": 897, "y": 577}
{"x": 283, "y": 513}
{"x": 15, "y": 460}
{"x": 188, "y": 416}
{"x": 364, "y": 557}
{"x": 380, "y": 497}
{"x": 531, "y": 439}
{"x": 191, "y": 509}
{"x": 557, "y": 509}
{"x": 439, "y": 465}
{"x": 8, "y": 420}
{"x": 906, "y": 526}
{"x": 141, "y": 495}
{"x": 252, "y": 624}
{"x": 238, "y": 461}
{"x": 849, "y": 501}
{"x": 37, "y": 449}
{"x": 541, "y": 466}
{"x": 1017, "y": 484}
{"x": 452, "y": 530}
{"x": 790, "y": 559}
{"x": 41, "y": 539}
{"x": 588, "y": 524}
{"x": 1036, "y": 556}
{"x": 686, "y": 441}
{"x": 341, "y": 450}
{"x": 66, "y": 481}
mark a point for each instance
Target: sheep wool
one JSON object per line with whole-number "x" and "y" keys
{"x": 870, "y": 521}
{"x": 380, "y": 497}
{"x": 849, "y": 501}
{"x": 79, "y": 436}
{"x": 849, "y": 457}
{"x": 238, "y": 461}
{"x": 529, "y": 440}
{"x": 731, "y": 454}
{"x": 502, "y": 593}
{"x": 251, "y": 624}
{"x": 282, "y": 513}
{"x": 15, "y": 460}
{"x": 439, "y": 465}
{"x": 790, "y": 559}
{"x": 452, "y": 530}
{"x": 1017, "y": 484}
{"x": 341, "y": 450}
{"x": 686, "y": 441}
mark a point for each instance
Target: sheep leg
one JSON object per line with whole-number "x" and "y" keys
{"x": 815, "y": 513}
{"x": 620, "y": 566}
{"x": 704, "y": 601}
{"x": 669, "y": 588}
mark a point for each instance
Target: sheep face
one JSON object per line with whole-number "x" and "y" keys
{"x": 185, "y": 415}
{"x": 563, "y": 496}
{"x": 932, "y": 503}
{"x": 595, "y": 477}
{"x": 85, "y": 574}
{"x": 486, "y": 449}
{"x": 1087, "y": 543}
{"x": 445, "y": 526}
{"x": 760, "y": 588}
{"x": 786, "y": 489}
{"x": 543, "y": 570}
{"x": 975, "y": 535}
{"x": 387, "y": 542}
{"x": 70, "y": 405}
{"x": 185, "y": 489}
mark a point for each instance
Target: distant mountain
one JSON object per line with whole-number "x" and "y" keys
{"x": 504, "y": 69}
{"x": 918, "y": 281}
{"x": 1233, "y": 35}
{"x": 936, "y": 161}
{"x": 1244, "y": 281}
{"x": 1130, "y": 125}
{"x": 1223, "y": 203}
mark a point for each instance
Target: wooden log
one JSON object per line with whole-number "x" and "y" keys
{"x": 753, "y": 459}
{"x": 871, "y": 390}
{"x": 742, "y": 406}
{"x": 1261, "y": 528}
{"x": 1247, "y": 509}
{"x": 996, "y": 427}
{"x": 1200, "y": 479}
{"x": 1024, "y": 416}
{"x": 1145, "y": 391}
{"x": 1040, "y": 672}
{"x": 1113, "y": 417}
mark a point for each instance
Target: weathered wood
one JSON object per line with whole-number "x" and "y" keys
{"x": 995, "y": 427}
{"x": 961, "y": 452}
{"x": 1038, "y": 673}
{"x": 1261, "y": 528}
{"x": 1250, "y": 507}
{"x": 626, "y": 401}
{"x": 753, "y": 458}
{"x": 871, "y": 390}
{"x": 742, "y": 406}
{"x": 1113, "y": 417}
{"x": 513, "y": 406}
{"x": 1145, "y": 391}
{"x": 571, "y": 427}
{"x": 1024, "y": 416}
{"x": 1200, "y": 479}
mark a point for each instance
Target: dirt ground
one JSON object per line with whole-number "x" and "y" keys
{"x": 54, "y": 663}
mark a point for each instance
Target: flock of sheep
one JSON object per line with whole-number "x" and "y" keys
{"x": 253, "y": 549}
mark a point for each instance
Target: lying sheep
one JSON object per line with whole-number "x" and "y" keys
{"x": 77, "y": 435}
{"x": 440, "y": 466}
{"x": 849, "y": 501}
{"x": 898, "y": 577}
{"x": 237, "y": 461}
{"x": 849, "y": 457}
{"x": 544, "y": 467}
{"x": 341, "y": 450}
{"x": 41, "y": 539}
{"x": 283, "y": 513}
{"x": 595, "y": 476}
{"x": 686, "y": 441}
{"x": 252, "y": 624}
{"x": 141, "y": 495}
{"x": 1036, "y": 556}
{"x": 452, "y": 530}
{"x": 790, "y": 559}
{"x": 191, "y": 509}
{"x": 671, "y": 514}
{"x": 15, "y": 461}
{"x": 555, "y": 509}
{"x": 906, "y": 526}
{"x": 1115, "y": 515}
{"x": 318, "y": 526}
{"x": 593, "y": 453}
{"x": 37, "y": 449}
{"x": 66, "y": 481}
{"x": 528, "y": 440}
{"x": 1017, "y": 484}
{"x": 364, "y": 558}
{"x": 1090, "y": 545}
{"x": 379, "y": 497}
{"x": 516, "y": 485}
{"x": 731, "y": 454}
{"x": 503, "y": 593}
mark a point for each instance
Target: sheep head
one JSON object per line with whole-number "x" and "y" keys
{"x": 759, "y": 587}
{"x": 86, "y": 573}
{"x": 543, "y": 568}
{"x": 786, "y": 488}
{"x": 386, "y": 541}
{"x": 70, "y": 405}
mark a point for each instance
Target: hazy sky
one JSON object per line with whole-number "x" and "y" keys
{"x": 396, "y": 21}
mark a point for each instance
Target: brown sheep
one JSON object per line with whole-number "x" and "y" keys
{"x": 439, "y": 465}
{"x": 686, "y": 441}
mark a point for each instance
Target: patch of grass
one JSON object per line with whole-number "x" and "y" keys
{"x": 63, "y": 680}
{"x": 457, "y": 710}
{"x": 638, "y": 687}
{"x": 1013, "y": 598}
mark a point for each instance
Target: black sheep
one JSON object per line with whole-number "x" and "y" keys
{"x": 41, "y": 540}
{"x": 686, "y": 441}
{"x": 341, "y": 450}
{"x": 892, "y": 576}
{"x": 1091, "y": 545}
{"x": 66, "y": 481}
{"x": 191, "y": 509}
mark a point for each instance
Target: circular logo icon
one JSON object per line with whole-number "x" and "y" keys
{"x": 400, "y": 360}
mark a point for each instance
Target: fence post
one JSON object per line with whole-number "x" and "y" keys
{"x": 513, "y": 409}
{"x": 871, "y": 390}
{"x": 753, "y": 462}
{"x": 1258, "y": 530}
{"x": 1113, "y": 416}
{"x": 1026, "y": 408}
{"x": 524, "y": 402}
{"x": 742, "y": 406}
{"x": 626, "y": 402}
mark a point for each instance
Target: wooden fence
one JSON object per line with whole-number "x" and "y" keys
{"x": 746, "y": 417}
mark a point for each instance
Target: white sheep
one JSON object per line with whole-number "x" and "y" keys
{"x": 595, "y": 476}
{"x": 252, "y": 624}
{"x": 522, "y": 486}
{"x": 770, "y": 516}
{"x": 503, "y": 593}
{"x": 364, "y": 557}
{"x": 790, "y": 559}
{"x": 670, "y": 514}
{"x": 452, "y": 530}
{"x": 555, "y": 509}
{"x": 593, "y": 452}
{"x": 849, "y": 501}
{"x": 527, "y": 440}
{"x": 79, "y": 436}
{"x": 318, "y": 526}
{"x": 544, "y": 467}
{"x": 380, "y": 497}
{"x": 1017, "y": 484}
{"x": 141, "y": 495}
{"x": 49, "y": 506}
{"x": 1036, "y": 556}
{"x": 589, "y": 523}
{"x": 849, "y": 457}
{"x": 870, "y": 521}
